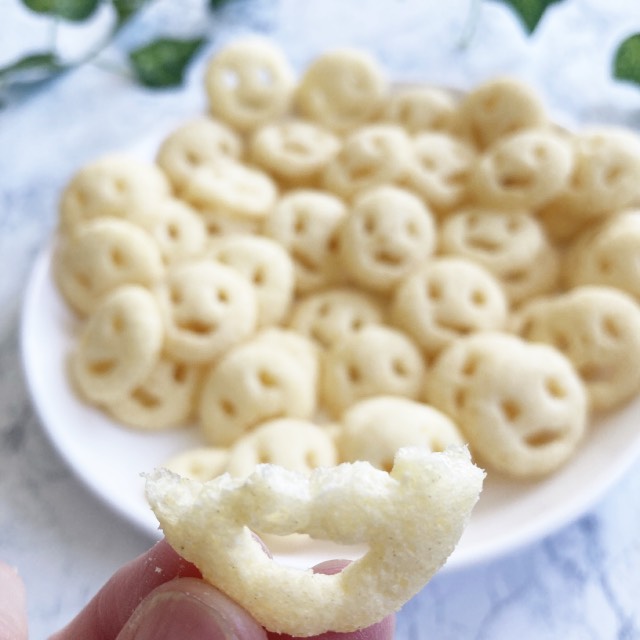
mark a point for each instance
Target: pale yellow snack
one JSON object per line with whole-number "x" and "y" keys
{"x": 266, "y": 265}
{"x": 233, "y": 188}
{"x": 292, "y": 443}
{"x": 605, "y": 176}
{"x": 163, "y": 400}
{"x": 193, "y": 144}
{"x": 441, "y": 169}
{"x": 218, "y": 223}
{"x": 249, "y": 83}
{"x": 511, "y": 244}
{"x": 371, "y": 156}
{"x": 100, "y": 256}
{"x": 499, "y": 107}
{"x": 523, "y": 170}
{"x": 521, "y": 406}
{"x": 254, "y": 382}
{"x": 445, "y": 299}
{"x": 294, "y": 151}
{"x": 410, "y": 521}
{"x": 327, "y": 316}
{"x": 598, "y": 329}
{"x": 178, "y": 230}
{"x": 206, "y": 308}
{"x": 386, "y": 235}
{"x": 109, "y": 187}
{"x": 608, "y": 254}
{"x": 199, "y": 463}
{"x": 376, "y": 360}
{"x": 118, "y": 345}
{"x": 306, "y": 222}
{"x": 342, "y": 89}
{"x": 374, "y": 429}
{"x": 419, "y": 109}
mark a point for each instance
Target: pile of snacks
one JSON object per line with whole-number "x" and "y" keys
{"x": 328, "y": 268}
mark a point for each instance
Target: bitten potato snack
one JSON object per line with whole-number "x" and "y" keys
{"x": 410, "y": 519}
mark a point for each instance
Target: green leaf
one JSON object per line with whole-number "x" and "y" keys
{"x": 530, "y": 11}
{"x": 74, "y": 10}
{"x": 218, "y": 4}
{"x": 162, "y": 63}
{"x": 126, "y": 9}
{"x": 626, "y": 64}
{"x": 31, "y": 68}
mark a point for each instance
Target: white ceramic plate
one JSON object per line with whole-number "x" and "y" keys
{"x": 109, "y": 458}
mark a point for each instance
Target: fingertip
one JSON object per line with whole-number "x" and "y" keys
{"x": 13, "y": 604}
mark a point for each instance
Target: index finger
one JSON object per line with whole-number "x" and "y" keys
{"x": 112, "y": 606}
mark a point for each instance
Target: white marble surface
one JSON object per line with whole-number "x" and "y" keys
{"x": 580, "y": 583}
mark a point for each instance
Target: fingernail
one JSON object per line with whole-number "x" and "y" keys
{"x": 180, "y": 615}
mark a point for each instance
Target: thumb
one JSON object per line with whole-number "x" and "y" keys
{"x": 13, "y": 605}
{"x": 190, "y": 608}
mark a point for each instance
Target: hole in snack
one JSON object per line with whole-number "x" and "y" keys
{"x": 434, "y": 290}
{"x": 592, "y": 372}
{"x": 389, "y": 258}
{"x": 120, "y": 185}
{"x": 117, "y": 323}
{"x": 333, "y": 243}
{"x": 482, "y": 243}
{"x": 412, "y": 229}
{"x": 469, "y": 366}
{"x": 117, "y": 257}
{"x": 311, "y": 460}
{"x": 357, "y": 324}
{"x": 222, "y": 295}
{"x": 228, "y": 408}
{"x": 354, "y": 374}
{"x": 555, "y": 388}
{"x": 102, "y": 367}
{"x": 510, "y": 409}
{"x": 175, "y": 295}
{"x": 303, "y": 260}
{"x": 542, "y": 438}
{"x": 173, "y": 231}
{"x": 514, "y": 181}
{"x": 613, "y": 174}
{"x": 540, "y": 152}
{"x": 611, "y": 328}
{"x": 386, "y": 465}
{"x": 180, "y": 373}
{"x": 267, "y": 378}
{"x": 198, "y": 326}
{"x": 478, "y": 297}
{"x": 192, "y": 158}
{"x": 324, "y": 309}
{"x": 400, "y": 368}
{"x": 460, "y": 398}
{"x": 145, "y": 398}
{"x": 369, "y": 224}
{"x": 259, "y": 276}
{"x": 604, "y": 265}
{"x": 82, "y": 279}
{"x": 516, "y": 275}
{"x": 300, "y": 224}
{"x": 560, "y": 341}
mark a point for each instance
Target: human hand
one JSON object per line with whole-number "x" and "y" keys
{"x": 159, "y": 596}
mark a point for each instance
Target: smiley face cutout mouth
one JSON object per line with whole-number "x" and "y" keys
{"x": 409, "y": 520}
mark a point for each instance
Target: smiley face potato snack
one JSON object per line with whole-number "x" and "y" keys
{"x": 410, "y": 519}
{"x": 305, "y": 263}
